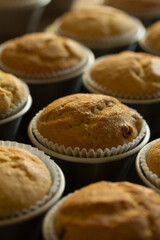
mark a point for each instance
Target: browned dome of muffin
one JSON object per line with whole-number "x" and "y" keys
{"x": 110, "y": 211}
{"x": 12, "y": 92}
{"x": 24, "y": 180}
{"x": 89, "y": 121}
{"x": 95, "y": 23}
{"x": 41, "y": 53}
{"x": 128, "y": 74}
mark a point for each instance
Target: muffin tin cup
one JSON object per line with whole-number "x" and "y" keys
{"x": 80, "y": 171}
{"x": 9, "y": 126}
{"x": 148, "y": 107}
{"x": 109, "y": 44}
{"x": 17, "y": 225}
{"x": 46, "y": 88}
{"x": 17, "y": 19}
{"x": 148, "y": 177}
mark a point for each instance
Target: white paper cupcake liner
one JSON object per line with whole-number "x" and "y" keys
{"x": 107, "y": 42}
{"x": 51, "y": 76}
{"x": 152, "y": 177}
{"x": 77, "y": 152}
{"x": 55, "y": 191}
{"x": 94, "y": 87}
{"x": 19, "y": 106}
{"x": 147, "y": 47}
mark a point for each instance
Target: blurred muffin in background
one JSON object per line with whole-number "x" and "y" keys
{"x": 99, "y": 27}
{"x": 146, "y": 10}
{"x": 52, "y": 65}
{"x": 151, "y": 40}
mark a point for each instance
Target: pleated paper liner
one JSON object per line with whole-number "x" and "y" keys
{"x": 147, "y": 176}
{"x": 55, "y": 193}
{"x": 104, "y": 43}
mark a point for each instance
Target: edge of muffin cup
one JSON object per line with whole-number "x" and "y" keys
{"x": 146, "y": 175}
{"x": 62, "y": 75}
{"x": 106, "y": 42}
{"x": 84, "y": 156}
{"x": 58, "y": 184}
{"x": 94, "y": 87}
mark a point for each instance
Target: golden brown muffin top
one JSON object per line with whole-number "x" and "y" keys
{"x": 41, "y": 53}
{"x": 12, "y": 92}
{"x": 96, "y": 23}
{"x": 153, "y": 36}
{"x": 135, "y": 5}
{"x": 128, "y": 74}
{"x": 89, "y": 121}
{"x": 110, "y": 211}
{"x": 24, "y": 179}
{"x": 153, "y": 158}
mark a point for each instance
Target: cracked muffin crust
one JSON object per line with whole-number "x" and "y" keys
{"x": 110, "y": 211}
{"x": 89, "y": 121}
{"x": 41, "y": 53}
{"x": 24, "y": 179}
{"x": 96, "y": 23}
{"x": 12, "y": 92}
{"x": 128, "y": 74}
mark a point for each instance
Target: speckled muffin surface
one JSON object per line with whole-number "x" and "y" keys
{"x": 135, "y": 5}
{"x": 41, "y": 53}
{"x": 128, "y": 74}
{"x": 24, "y": 180}
{"x": 89, "y": 121}
{"x": 110, "y": 211}
{"x": 12, "y": 92}
{"x": 96, "y": 23}
{"x": 153, "y": 159}
{"x": 152, "y": 37}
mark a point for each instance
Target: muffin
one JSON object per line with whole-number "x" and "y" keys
{"x": 92, "y": 137}
{"x": 99, "y": 27}
{"x": 13, "y": 93}
{"x": 153, "y": 158}
{"x": 147, "y": 164}
{"x": 24, "y": 180}
{"x": 52, "y": 65}
{"x": 30, "y": 184}
{"x": 127, "y": 75}
{"x": 89, "y": 121}
{"x": 132, "y": 77}
{"x": 137, "y": 6}
{"x": 41, "y": 53}
{"x": 105, "y": 210}
{"x": 150, "y": 41}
